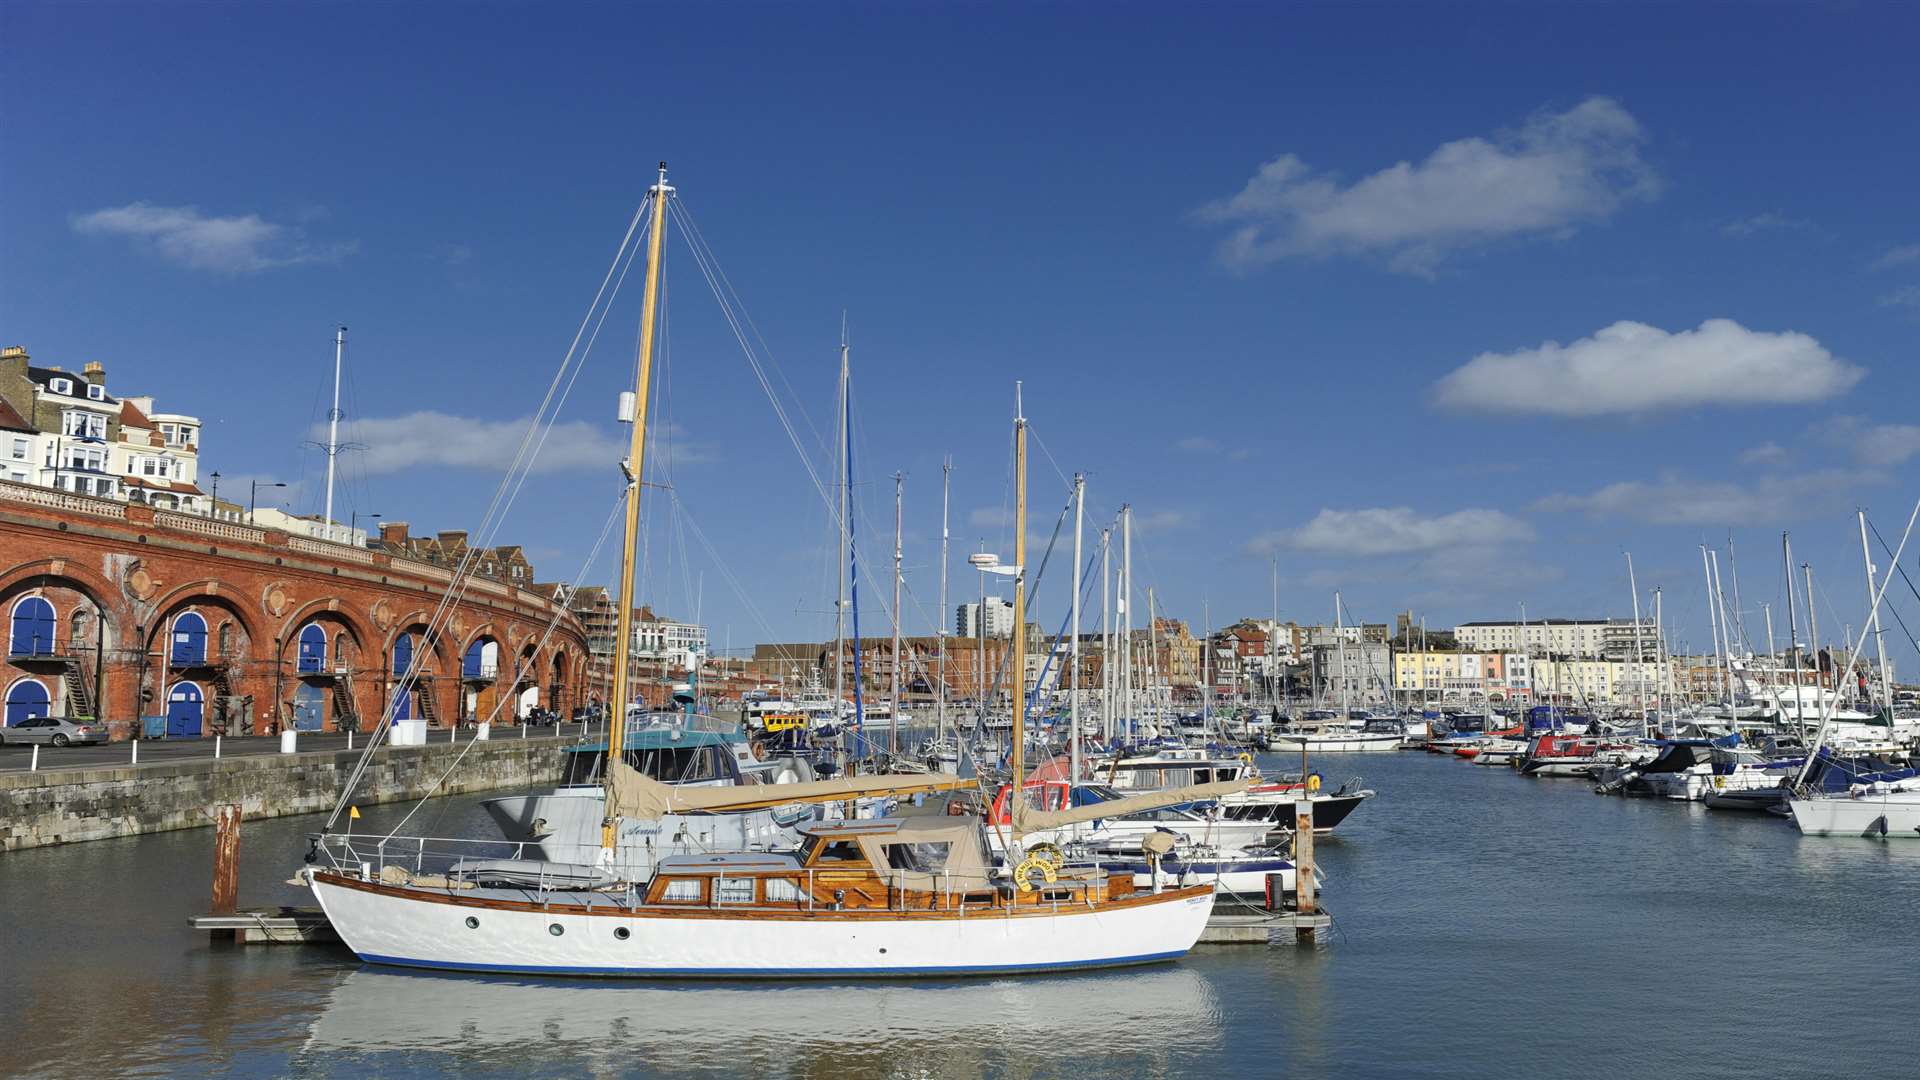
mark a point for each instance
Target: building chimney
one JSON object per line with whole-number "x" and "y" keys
{"x": 393, "y": 534}
{"x": 94, "y": 373}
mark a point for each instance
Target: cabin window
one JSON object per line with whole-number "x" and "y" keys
{"x": 1203, "y": 776}
{"x": 836, "y": 851}
{"x": 921, "y": 858}
{"x": 681, "y": 891}
{"x": 733, "y": 891}
{"x": 781, "y": 890}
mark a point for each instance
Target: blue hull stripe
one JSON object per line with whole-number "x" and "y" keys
{"x": 771, "y": 973}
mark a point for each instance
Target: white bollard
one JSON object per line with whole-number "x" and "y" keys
{"x": 349, "y": 738}
{"x": 523, "y": 730}
{"x": 35, "y": 767}
{"x": 453, "y": 734}
{"x": 483, "y": 733}
{"x": 289, "y": 741}
{"x": 216, "y": 748}
{"x": 136, "y": 751}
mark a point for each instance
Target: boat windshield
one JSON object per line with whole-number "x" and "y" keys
{"x": 927, "y": 858}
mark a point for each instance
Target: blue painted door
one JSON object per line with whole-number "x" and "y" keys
{"x": 402, "y": 654}
{"x": 470, "y": 664}
{"x": 313, "y": 649}
{"x": 403, "y": 702}
{"x": 27, "y": 699}
{"x": 185, "y": 707}
{"x": 32, "y": 628}
{"x": 189, "y": 640}
{"x": 309, "y": 711}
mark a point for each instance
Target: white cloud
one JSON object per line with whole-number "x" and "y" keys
{"x": 246, "y": 244}
{"x": 1907, "y": 296}
{"x": 1198, "y": 444}
{"x": 1397, "y": 530}
{"x": 1554, "y": 173}
{"x": 990, "y": 517}
{"x": 1676, "y": 500}
{"x": 434, "y": 439}
{"x": 1767, "y": 453}
{"x": 1771, "y": 220}
{"x": 1631, "y": 367}
{"x": 1899, "y": 256}
{"x": 1886, "y": 444}
{"x": 1158, "y": 521}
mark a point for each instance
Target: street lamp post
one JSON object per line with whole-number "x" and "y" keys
{"x": 213, "y": 507}
{"x": 253, "y": 495}
{"x": 353, "y": 522}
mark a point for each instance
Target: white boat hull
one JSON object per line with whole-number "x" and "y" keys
{"x": 1890, "y": 814}
{"x": 422, "y": 929}
{"x": 1356, "y": 743}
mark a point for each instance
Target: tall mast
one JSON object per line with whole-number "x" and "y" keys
{"x": 1106, "y": 635}
{"x": 1073, "y": 659}
{"x": 1340, "y": 646}
{"x": 1639, "y": 649}
{"x": 333, "y": 423}
{"x": 1019, "y": 680}
{"x": 1793, "y": 629}
{"x": 1726, "y": 627}
{"x": 637, "y": 457}
{"x": 840, "y": 485}
{"x": 1660, "y": 655}
{"x": 1713, "y": 621}
{"x": 1739, "y": 617}
{"x": 1126, "y": 616}
{"x": 1880, "y": 644}
{"x": 940, "y": 624}
{"x": 893, "y": 729}
{"x": 1273, "y": 662}
{"x": 1153, "y": 661}
{"x": 1813, "y": 626}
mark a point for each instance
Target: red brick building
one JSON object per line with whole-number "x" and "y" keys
{"x": 122, "y": 611}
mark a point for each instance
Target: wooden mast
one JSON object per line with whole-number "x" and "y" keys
{"x": 636, "y": 463}
{"x": 1019, "y": 679}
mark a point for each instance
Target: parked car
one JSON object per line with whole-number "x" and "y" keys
{"x": 54, "y": 730}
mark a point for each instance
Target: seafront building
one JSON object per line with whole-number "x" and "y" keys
{"x": 135, "y": 598}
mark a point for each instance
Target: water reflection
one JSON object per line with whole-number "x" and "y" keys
{"x": 853, "y": 1030}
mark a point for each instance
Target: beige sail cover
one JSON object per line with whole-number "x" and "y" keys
{"x": 1026, "y": 819}
{"x": 633, "y": 794}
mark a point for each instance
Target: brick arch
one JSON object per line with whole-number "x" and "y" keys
{"x": 210, "y": 593}
{"x": 28, "y": 575}
{"x": 324, "y": 610}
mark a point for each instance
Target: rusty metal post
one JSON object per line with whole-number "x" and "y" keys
{"x": 1303, "y": 868}
{"x": 226, "y": 859}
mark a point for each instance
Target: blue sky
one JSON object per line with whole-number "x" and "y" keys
{"x": 1444, "y": 306}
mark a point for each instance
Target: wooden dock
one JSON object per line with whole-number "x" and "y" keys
{"x": 270, "y": 926}
{"x": 1265, "y": 928}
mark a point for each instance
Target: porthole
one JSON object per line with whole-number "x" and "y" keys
{"x": 556, "y": 929}
{"x": 473, "y": 923}
{"x": 621, "y": 933}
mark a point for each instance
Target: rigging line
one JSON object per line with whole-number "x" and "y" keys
{"x": 725, "y": 572}
{"x": 1903, "y": 577}
{"x": 463, "y": 572}
{"x": 559, "y": 612}
{"x": 799, "y": 403}
{"x": 710, "y": 272}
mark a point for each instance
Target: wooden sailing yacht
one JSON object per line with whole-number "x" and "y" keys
{"x": 913, "y": 895}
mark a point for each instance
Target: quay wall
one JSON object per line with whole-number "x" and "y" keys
{"x": 65, "y": 806}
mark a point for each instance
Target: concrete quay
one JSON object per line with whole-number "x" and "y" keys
{"x": 168, "y": 790}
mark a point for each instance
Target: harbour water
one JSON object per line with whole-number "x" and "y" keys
{"x": 1486, "y": 925}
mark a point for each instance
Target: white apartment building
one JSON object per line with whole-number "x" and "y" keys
{"x": 1582, "y": 638}
{"x": 680, "y": 644}
{"x": 999, "y": 618}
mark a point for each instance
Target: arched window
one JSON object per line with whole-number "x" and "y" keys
{"x": 32, "y": 633}
{"x": 226, "y": 641}
{"x": 27, "y": 699}
{"x": 340, "y": 647}
{"x": 402, "y": 654}
{"x": 189, "y": 642}
{"x": 313, "y": 650}
{"x": 482, "y": 660}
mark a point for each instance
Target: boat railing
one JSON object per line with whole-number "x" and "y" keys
{"x": 369, "y": 855}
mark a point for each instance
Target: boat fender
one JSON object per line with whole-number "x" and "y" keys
{"x": 759, "y": 750}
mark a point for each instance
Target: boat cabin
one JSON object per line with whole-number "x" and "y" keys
{"x": 924, "y": 863}
{"x": 669, "y": 755}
